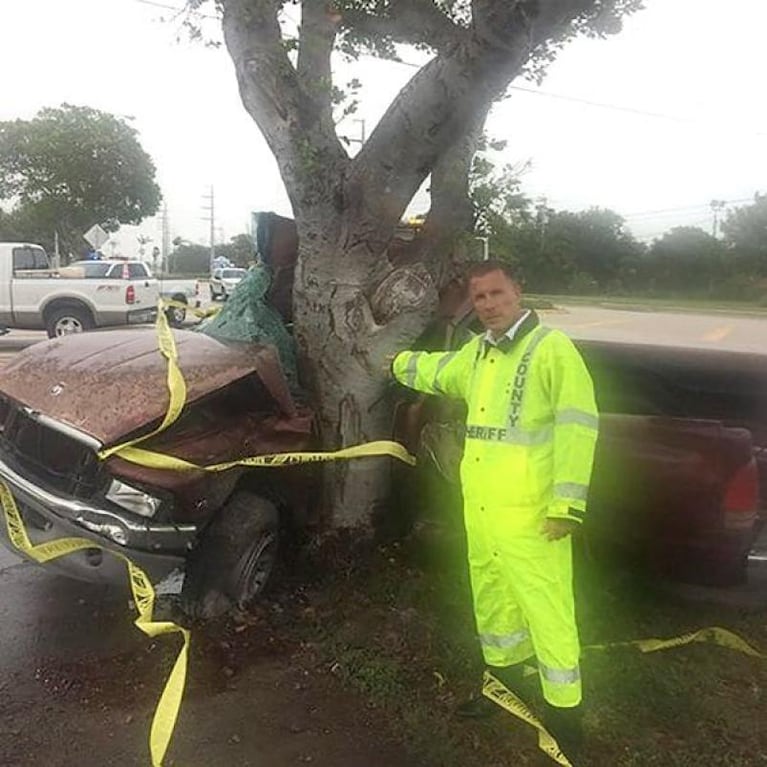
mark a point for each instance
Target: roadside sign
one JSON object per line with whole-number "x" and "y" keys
{"x": 96, "y": 236}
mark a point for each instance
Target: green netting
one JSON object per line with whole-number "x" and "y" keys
{"x": 247, "y": 317}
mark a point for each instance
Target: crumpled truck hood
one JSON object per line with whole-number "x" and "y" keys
{"x": 113, "y": 383}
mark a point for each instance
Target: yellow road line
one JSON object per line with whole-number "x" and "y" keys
{"x": 599, "y": 324}
{"x": 718, "y": 334}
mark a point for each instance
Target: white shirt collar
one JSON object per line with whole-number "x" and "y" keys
{"x": 510, "y": 333}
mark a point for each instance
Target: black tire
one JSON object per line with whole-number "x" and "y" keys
{"x": 67, "y": 319}
{"x": 233, "y": 561}
{"x": 176, "y": 315}
{"x": 213, "y": 294}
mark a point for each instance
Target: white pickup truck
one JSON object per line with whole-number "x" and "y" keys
{"x": 35, "y": 296}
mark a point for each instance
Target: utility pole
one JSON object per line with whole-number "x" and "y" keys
{"x": 717, "y": 206}
{"x": 165, "y": 239}
{"x": 543, "y": 218}
{"x": 485, "y": 247}
{"x": 211, "y": 219}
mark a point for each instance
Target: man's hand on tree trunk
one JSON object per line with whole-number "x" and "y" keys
{"x": 388, "y": 362}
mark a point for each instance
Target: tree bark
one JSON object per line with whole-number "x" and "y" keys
{"x": 344, "y": 360}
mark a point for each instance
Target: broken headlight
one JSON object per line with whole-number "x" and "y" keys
{"x": 132, "y": 499}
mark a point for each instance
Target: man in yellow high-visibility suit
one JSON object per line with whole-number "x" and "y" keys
{"x": 531, "y": 430}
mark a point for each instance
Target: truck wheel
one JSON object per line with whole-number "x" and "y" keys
{"x": 175, "y": 314}
{"x": 213, "y": 295}
{"x": 232, "y": 563}
{"x": 65, "y": 320}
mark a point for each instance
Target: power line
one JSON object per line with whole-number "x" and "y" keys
{"x": 601, "y": 104}
{"x": 691, "y": 208}
{"x": 177, "y": 9}
{"x": 665, "y": 211}
{"x": 586, "y": 102}
{"x": 697, "y": 223}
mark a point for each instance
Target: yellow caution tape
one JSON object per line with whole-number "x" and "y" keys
{"x": 167, "y": 709}
{"x": 166, "y": 713}
{"x": 169, "y": 303}
{"x": 154, "y": 460}
{"x": 496, "y": 691}
{"x": 713, "y": 635}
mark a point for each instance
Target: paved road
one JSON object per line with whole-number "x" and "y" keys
{"x": 711, "y": 331}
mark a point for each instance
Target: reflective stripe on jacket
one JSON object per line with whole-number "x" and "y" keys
{"x": 531, "y": 426}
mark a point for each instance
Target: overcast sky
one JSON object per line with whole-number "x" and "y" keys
{"x": 683, "y": 119}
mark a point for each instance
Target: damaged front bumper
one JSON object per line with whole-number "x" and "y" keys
{"x": 157, "y": 548}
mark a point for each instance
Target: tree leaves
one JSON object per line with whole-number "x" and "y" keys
{"x": 71, "y": 167}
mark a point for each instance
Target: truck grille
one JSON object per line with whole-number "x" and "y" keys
{"x": 54, "y": 460}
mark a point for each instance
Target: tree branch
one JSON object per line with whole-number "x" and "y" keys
{"x": 412, "y": 22}
{"x": 317, "y": 37}
{"x": 436, "y": 108}
{"x": 452, "y": 212}
{"x": 294, "y": 119}
{"x": 254, "y": 40}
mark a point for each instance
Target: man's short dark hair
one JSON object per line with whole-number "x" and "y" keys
{"x": 481, "y": 268}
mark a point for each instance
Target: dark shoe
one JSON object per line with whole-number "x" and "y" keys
{"x": 477, "y": 708}
{"x": 566, "y": 727}
{"x": 511, "y": 676}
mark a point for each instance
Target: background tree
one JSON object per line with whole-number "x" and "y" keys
{"x": 189, "y": 258}
{"x": 239, "y": 250}
{"x": 594, "y": 245}
{"x": 194, "y": 259}
{"x": 686, "y": 261}
{"x": 745, "y": 231}
{"x": 352, "y": 304}
{"x": 560, "y": 251}
{"x": 69, "y": 168}
{"x": 496, "y": 193}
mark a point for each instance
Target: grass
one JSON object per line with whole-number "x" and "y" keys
{"x": 398, "y": 630}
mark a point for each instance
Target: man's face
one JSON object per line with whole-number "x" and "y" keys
{"x": 497, "y": 301}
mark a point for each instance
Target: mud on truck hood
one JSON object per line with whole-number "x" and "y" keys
{"x": 110, "y": 384}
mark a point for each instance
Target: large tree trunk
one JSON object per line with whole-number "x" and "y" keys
{"x": 346, "y": 324}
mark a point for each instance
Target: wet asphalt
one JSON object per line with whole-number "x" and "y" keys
{"x": 79, "y": 684}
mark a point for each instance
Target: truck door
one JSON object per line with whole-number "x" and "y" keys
{"x": 29, "y": 264}
{"x": 144, "y": 284}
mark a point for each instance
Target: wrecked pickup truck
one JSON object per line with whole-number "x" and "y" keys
{"x": 64, "y": 400}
